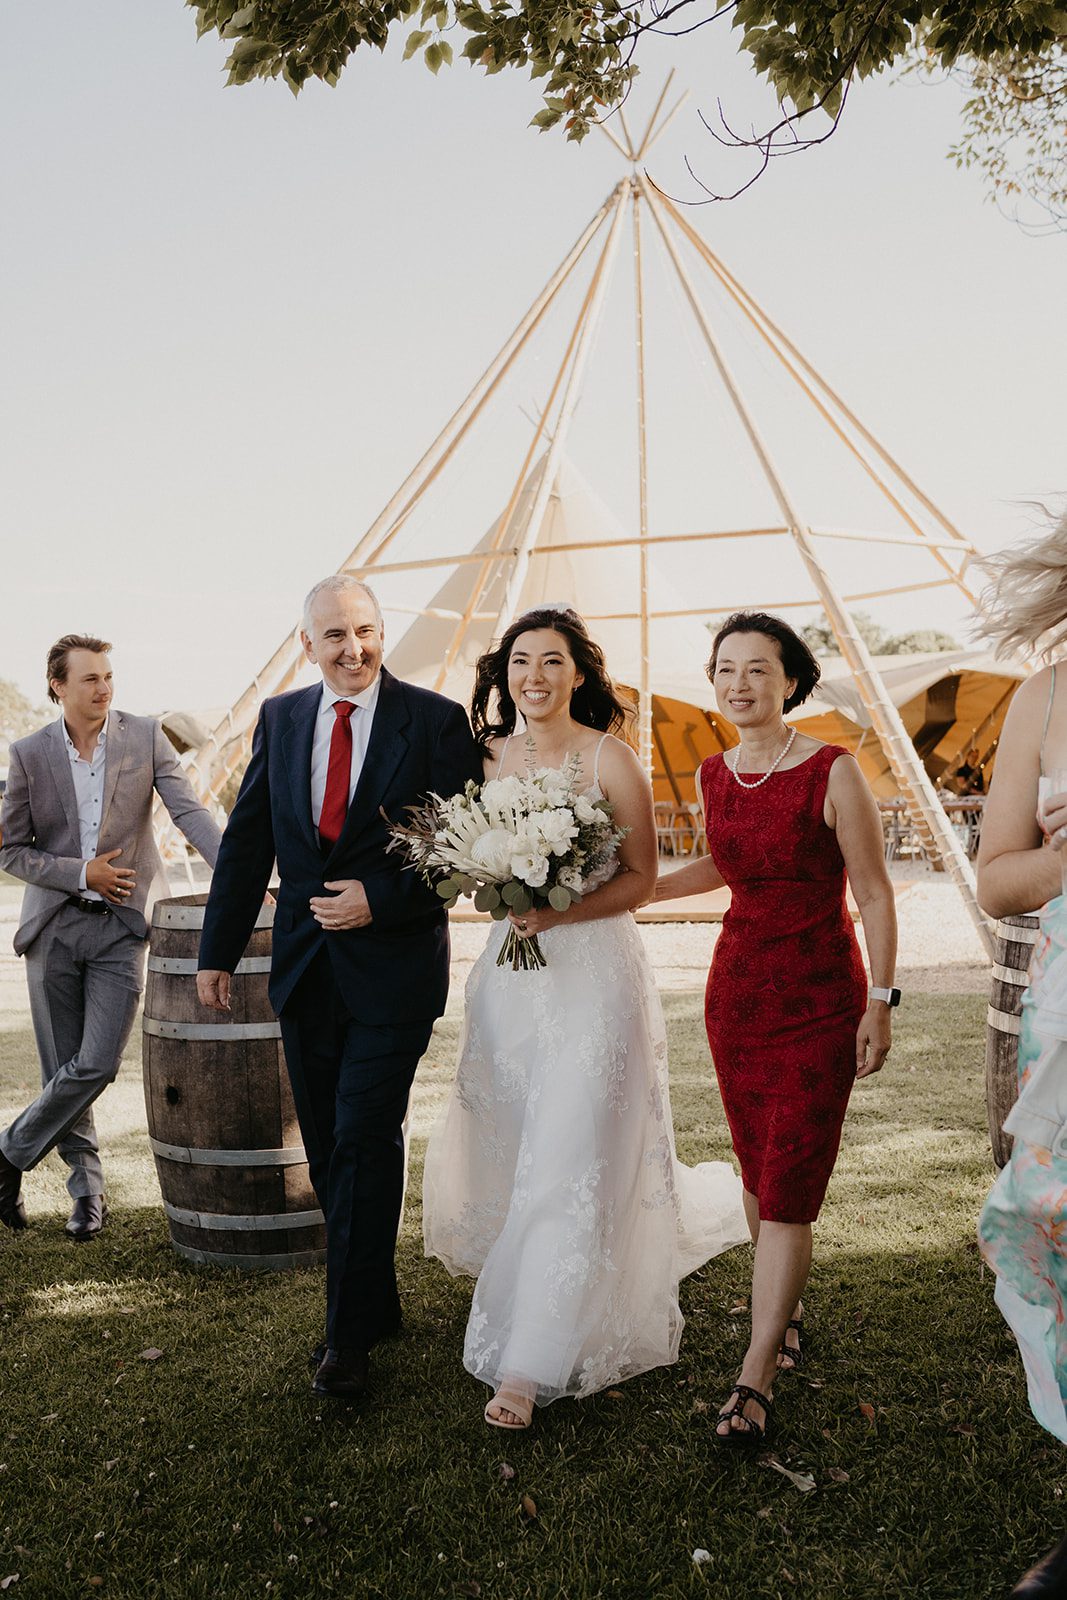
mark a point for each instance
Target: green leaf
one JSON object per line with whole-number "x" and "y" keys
{"x": 447, "y": 889}
{"x": 415, "y": 41}
{"x": 499, "y": 912}
{"x": 511, "y": 892}
{"x": 487, "y": 898}
{"x": 559, "y": 898}
{"x": 432, "y": 57}
{"x": 523, "y": 901}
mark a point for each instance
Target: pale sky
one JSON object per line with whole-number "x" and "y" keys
{"x": 234, "y": 320}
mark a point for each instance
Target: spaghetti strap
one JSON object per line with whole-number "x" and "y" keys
{"x": 1048, "y": 713}
{"x": 596, "y": 761}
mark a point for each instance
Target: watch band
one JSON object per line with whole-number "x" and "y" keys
{"x": 890, "y": 996}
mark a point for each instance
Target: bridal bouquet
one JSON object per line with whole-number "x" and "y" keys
{"x": 515, "y": 844}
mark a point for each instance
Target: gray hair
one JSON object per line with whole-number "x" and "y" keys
{"x": 1025, "y": 606}
{"x": 339, "y": 583}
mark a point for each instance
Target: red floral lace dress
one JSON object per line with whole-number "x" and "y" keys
{"x": 787, "y": 986}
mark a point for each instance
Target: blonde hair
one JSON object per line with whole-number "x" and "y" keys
{"x": 1025, "y": 605}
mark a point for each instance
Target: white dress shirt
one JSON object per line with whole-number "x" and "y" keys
{"x": 361, "y": 722}
{"x": 89, "y": 789}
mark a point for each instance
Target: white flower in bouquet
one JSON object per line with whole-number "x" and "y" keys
{"x": 555, "y": 829}
{"x": 586, "y": 811}
{"x": 531, "y": 868}
{"x": 493, "y": 851}
{"x": 556, "y": 784}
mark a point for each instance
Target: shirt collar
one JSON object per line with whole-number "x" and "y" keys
{"x": 366, "y": 698}
{"x": 72, "y": 749}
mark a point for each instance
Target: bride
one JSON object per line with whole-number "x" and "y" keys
{"x": 552, "y": 1175}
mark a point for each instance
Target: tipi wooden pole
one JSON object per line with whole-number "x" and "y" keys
{"x": 503, "y": 527}
{"x": 644, "y": 700}
{"x": 908, "y": 770}
{"x": 771, "y": 332}
{"x": 392, "y": 518}
{"x": 657, "y": 108}
{"x": 532, "y": 529}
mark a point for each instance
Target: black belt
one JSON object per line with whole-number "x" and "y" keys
{"x": 95, "y": 908}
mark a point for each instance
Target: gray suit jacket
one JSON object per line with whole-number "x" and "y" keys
{"x": 39, "y": 836}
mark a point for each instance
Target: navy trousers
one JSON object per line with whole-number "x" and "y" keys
{"x": 351, "y": 1084}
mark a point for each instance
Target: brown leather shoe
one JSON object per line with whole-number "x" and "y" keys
{"x": 87, "y": 1218}
{"x": 342, "y": 1375}
{"x": 12, "y": 1210}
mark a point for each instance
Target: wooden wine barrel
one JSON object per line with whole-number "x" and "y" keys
{"x": 221, "y": 1121}
{"x": 1014, "y": 947}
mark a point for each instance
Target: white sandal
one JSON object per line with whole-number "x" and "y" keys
{"x": 513, "y": 1400}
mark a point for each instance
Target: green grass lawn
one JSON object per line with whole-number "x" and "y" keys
{"x": 212, "y": 1471}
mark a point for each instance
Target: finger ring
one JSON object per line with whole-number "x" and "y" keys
{"x": 522, "y": 925}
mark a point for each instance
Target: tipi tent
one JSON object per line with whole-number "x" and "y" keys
{"x": 555, "y": 541}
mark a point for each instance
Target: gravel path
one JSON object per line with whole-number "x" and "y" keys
{"x": 939, "y": 948}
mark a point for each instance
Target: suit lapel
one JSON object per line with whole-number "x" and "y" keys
{"x": 387, "y": 748}
{"x": 297, "y": 741}
{"x": 59, "y": 761}
{"x": 114, "y": 757}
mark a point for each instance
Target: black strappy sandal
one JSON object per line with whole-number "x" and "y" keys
{"x": 795, "y": 1357}
{"x": 754, "y": 1434}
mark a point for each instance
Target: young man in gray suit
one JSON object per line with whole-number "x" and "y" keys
{"x": 76, "y": 826}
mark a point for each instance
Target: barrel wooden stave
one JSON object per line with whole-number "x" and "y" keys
{"x": 227, "y": 1096}
{"x": 1014, "y": 948}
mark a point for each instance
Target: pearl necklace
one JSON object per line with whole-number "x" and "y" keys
{"x": 779, "y": 758}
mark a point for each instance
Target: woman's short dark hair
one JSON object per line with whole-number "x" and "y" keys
{"x": 596, "y": 702}
{"x": 59, "y": 657}
{"x": 797, "y": 659}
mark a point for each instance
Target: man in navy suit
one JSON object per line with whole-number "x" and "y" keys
{"x": 360, "y": 950}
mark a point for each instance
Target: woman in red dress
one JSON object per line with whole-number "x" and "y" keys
{"x": 790, "y": 1019}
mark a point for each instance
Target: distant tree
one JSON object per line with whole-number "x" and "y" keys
{"x": 18, "y": 716}
{"x": 819, "y": 637}
{"x": 811, "y": 52}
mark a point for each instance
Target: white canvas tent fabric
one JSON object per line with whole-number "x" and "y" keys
{"x": 599, "y": 583}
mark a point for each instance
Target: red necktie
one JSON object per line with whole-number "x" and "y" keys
{"x": 338, "y": 774}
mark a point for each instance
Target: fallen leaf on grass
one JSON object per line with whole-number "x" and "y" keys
{"x": 866, "y": 1410}
{"x": 528, "y": 1506}
{"x": 966, "y": 1428}
{"x": 816, "y": 1383}
{"x": 738, "y": 1308}
{"x": 95, "y": 1583}
{"x": 505, "y": 1471}
{"x": 472, "y": 1588}
{"x": 615, "y": 1394}
{"x": 701, "y": 1558}
{"x": 838, "y": 1474}
{"x": 109, "y": 1464}
{"x": 12, "y": 1577}
{"x": 700, "y": 1407}
{"x": 151, "y": 1354}
{"x": 51, "y": 1417}
{"x": 800, "y": 1480}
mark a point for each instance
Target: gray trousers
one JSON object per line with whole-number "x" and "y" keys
{"x": 85, "y": 975}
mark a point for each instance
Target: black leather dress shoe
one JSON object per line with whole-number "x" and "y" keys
{"x": 86, "y": 1218}
{"x": 342, "y": 1375}
{"x": 317, "y": 1357}
{"x": 1046, "y": 1581}
{"x": 12, "y": 1211}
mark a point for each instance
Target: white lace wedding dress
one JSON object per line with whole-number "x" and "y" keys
{"x": 552, "y": 1175}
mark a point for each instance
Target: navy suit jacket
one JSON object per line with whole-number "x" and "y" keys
{"x": 395, "y": 970}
